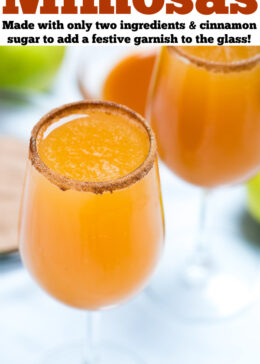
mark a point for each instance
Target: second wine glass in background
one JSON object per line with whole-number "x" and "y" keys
{"x": 205, "y": 110}
{"x": 122, "y": 75}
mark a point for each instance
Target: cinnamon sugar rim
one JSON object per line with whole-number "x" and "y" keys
{"x": 66, "y": 183}
{"x": 243, "y": 65}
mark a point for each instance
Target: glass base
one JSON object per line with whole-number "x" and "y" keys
{"x": 206, "y": 287}
{"x": 106, "y": 353}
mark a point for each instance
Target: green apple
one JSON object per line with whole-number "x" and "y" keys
{"x": 29, "y": 68}
{"x": 253, "y": 188}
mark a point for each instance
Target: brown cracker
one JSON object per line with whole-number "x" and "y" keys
{"x": 13, "y": 154}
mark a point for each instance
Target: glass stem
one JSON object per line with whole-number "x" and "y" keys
{"x": 88, "y": 347}
{"x": 202, "y": 245}
{"x": 200, "y": 264}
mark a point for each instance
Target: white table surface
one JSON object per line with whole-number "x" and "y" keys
{"x": 32, "y": 323}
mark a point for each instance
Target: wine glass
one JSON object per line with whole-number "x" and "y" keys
{"x": 118, "y": 74}
{"x": 92, "y": 242}
{"x": 204, "y": 107}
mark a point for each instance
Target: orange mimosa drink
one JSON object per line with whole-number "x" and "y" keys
{"x": 128, "y": 82}
{"x": 205, "y": 111}
{"x": 91, "y": 222}
{"x": 204, "y": 107}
